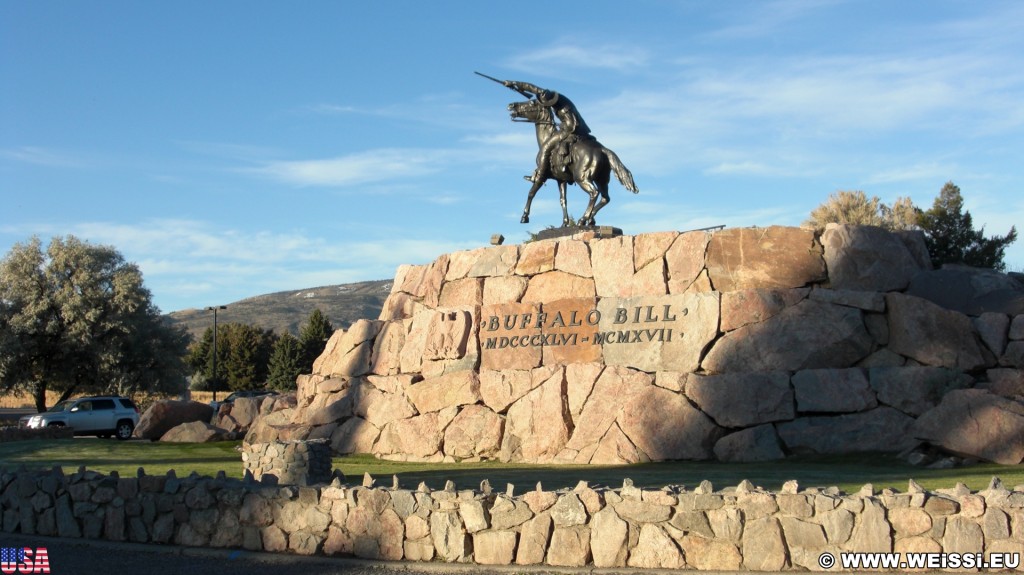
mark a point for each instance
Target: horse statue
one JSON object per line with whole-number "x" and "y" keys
{"x": 587, "y": 163}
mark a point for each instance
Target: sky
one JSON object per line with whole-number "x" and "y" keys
{"x": 236, "y": 148}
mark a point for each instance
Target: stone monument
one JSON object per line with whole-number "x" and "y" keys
{"x": 739, "y": 345}
{"x": 599, "y": 348}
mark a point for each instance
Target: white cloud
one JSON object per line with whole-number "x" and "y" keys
{"x": 772, "y": 116}
{"x": 765, "y": 19}
{"x": 230, "y": 150}
{"x": 913, "y": 172}
{"x": 331, "y": 109}
{"x": 570, "y": 54}
{"x": 371, "y": 166}
{"x": 187, "y": 262}
{"x": 744, "y": 168}
{"x": 44, "y": 157}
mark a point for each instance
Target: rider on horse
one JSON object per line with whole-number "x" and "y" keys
{"x": 571, "y": 124}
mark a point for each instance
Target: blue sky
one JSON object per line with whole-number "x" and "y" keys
{"x": 236, "y": 148}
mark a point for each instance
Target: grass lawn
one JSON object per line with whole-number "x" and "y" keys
{"x": 849, "y": 472}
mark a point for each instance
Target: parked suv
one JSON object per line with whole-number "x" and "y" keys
{"x": 103, "y": 416}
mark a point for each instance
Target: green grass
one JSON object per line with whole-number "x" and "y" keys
{"x": 848, "y": 473}
{"x": 125, "y": 457}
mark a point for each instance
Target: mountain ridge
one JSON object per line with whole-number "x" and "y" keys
{"x": 286, "y": 311}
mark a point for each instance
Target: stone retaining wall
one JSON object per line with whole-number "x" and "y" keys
{"x": 740, "y": 528}
{"x": 288, "y": 462}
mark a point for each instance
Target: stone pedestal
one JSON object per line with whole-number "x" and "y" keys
{"x": 288, "y": 462}
{"x": 742, "y": 344}
{"x": 578, "y": 233}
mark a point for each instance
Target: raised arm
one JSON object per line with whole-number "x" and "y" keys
{"x": 524, "y": 87}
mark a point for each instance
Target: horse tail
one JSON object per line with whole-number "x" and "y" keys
{"x": 621, "y": 172}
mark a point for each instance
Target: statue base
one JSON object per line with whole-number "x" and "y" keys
{"x": 586, "y": 232}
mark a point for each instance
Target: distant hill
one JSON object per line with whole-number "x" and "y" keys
{"x": 286, "y": 311}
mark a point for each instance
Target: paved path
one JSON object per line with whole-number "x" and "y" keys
{"x": 10, "y": 415}
{"x": 91, "y": 557}
{"x": 94, "y": 557}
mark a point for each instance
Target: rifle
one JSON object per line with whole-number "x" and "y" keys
{"x": 524, "y": 94}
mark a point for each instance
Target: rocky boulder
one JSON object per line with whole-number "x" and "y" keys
{"x": 932, "y": 335}
{"x": 915, "y": 390}
{"x": 868, "y": 258}
{"x": 773, "y": 257}
{"x": 833, "y": 391}
{"x": 194, "y": 432}
{"x": 165, "y": 415}
{"x": 975, "y": 423}
{"x": 971, "y": 291}
{"x": 349, "y": 352}
{"x": 880, "y": 429}
{"x": 743, "y": 399}
{"x": 759, "y": 443}
{"x": 1005, "y": 382}
{"x": 238, "y": 415}
{"x": 808, "y": 335}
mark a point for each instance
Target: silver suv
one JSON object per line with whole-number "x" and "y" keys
{"x": 103, "y": 416}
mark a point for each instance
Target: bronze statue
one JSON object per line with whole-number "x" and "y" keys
{"x": 568, "y": 153}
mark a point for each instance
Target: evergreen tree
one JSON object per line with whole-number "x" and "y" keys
{"x": 199, "y": 360}
{"x": 242, "y": 359}
{"x": 284, "y": 366}
{"x": 313, "y": 338}
{"x": 951, "y": 237}
{"x": 243, "y": 352}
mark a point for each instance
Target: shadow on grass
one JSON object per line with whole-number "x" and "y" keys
{"x": 849, "y": 472}
{"x": 125, "y": 457}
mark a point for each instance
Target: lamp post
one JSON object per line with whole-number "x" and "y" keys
{"x": 214, "y": 378}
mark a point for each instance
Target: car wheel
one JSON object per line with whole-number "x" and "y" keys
{"x": 125, "y": 429}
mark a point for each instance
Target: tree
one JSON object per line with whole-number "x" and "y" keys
{"x": 901, "y": 215}
{"x": 243, "y": 352}
{"x": 284, "y": 366}
{"x": 951, "y": 238}
{"x": 200, "y": 359}
{"x": 313, "y": 337}
{"x": 854, "y": 207}
{"x": 77, "y": 318}
{"x": 244, "y": 355}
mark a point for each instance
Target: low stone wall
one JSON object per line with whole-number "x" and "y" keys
{"x": 739, "y": 528}
{"x": 288, "y": 462}
{"x": 14, "y": 433}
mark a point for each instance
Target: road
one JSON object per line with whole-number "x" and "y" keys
{"x": 89, "y": 557}
{"x": 10, "y": 415}
{"x": 93, "y": 557}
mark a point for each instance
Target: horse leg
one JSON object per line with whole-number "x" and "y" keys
{"x": 603, "y": 201}
{"x": 529, "y": 200}
{"x": 566, "y": 220}
{"x": 587, "y": 219}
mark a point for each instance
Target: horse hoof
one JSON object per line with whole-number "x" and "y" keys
{"x": 525, "y": 220}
